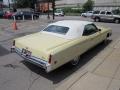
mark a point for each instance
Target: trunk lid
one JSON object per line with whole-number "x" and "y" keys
{"x": 39, "y": 44}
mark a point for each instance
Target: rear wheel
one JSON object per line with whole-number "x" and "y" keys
{"x": 97, "y": 19}
{"x": 19, "y": 18}
{"x": 106, "y": 39}
{"x": 75, "y": 61}
{"x": 117, "y": 21}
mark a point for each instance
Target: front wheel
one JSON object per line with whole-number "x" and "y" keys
{"x": 19, "y": 18}
{"x": 75, "y": 61}
{"x": 35, "y": 17}
{"x": 105, "y": 41}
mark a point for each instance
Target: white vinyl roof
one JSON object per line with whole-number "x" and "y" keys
{"x": 76, "y": 28}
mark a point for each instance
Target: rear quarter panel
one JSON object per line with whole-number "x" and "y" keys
{"x": 66, "y": 52}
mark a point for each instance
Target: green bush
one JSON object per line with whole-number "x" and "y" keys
{"x": 88, "y": 5}
{"x": 74, "y": 10}
{"x": 116, "y": 11}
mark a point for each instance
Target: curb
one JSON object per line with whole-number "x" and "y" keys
{"x": 72, "y": 80}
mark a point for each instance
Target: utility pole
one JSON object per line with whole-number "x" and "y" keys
{"x": 53, "y": 6}
{"x": 9, "y": 4}
{"x": 48, "y": 9}
{"x": 35, "y": 5}
{"x": 14, "y": 3}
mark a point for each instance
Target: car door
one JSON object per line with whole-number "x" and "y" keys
{"x": 109, "y": 16}
{"x": 89, "y": 14}
{"x": 19, "y": 15}
{"x": 93, "y": 33}
{"x": 27, "y": 15}
{"x": 102, "y": 15}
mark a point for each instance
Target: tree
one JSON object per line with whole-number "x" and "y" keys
{"x": 26, "y": 3}
{"x": 116, "y": 11}
{"x": 88, "y": 5}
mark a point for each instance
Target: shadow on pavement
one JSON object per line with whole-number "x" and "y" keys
{"x": 3, "y": 51}
{"x": 67, "y": 70}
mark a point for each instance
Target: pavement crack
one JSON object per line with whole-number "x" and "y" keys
{"x": 32, "y": 83}
{"x": 113, "y": 77}
{"x": 102, "y": 61}
{"x": 77, "y": 80}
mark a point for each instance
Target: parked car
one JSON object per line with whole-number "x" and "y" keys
{"x": 106, "y": 16}
{"x": 59, "y": 43}
{"x": 96, "y": 12}
{"x": 87, "y": 14}
{"x": 59, "y": 13}
{"x": 1, "y": 14}
{"x": 8, "y": 15}
{"x": 26, "y": 14}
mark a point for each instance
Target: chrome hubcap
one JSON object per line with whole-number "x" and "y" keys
{"x": 75, "y": 61}
{"x": 116, "y": 21}
{"x": 97, "y": 20}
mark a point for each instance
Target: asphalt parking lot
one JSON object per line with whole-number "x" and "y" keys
{"x": 16, "y": 74}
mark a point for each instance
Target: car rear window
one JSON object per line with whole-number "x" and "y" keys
{"x": 57, "y": 29}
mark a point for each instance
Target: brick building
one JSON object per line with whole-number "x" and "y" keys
{"x": 43, "y": 5}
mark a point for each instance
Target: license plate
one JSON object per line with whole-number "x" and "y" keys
{"x": 27, "y": 53}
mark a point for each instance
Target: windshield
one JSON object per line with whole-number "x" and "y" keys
{"x": 58, "y": 11}
{"x": 57, "y": 29}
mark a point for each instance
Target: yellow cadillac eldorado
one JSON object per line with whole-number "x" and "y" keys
{"x": 59, "y": 43}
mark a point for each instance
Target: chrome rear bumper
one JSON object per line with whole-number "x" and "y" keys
{"x": 32, "y": 59}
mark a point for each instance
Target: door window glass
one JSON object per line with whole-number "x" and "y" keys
{"x": 90, "y": 29}
{"x": 103, "y": 12}
{"x": 109, "y": 13}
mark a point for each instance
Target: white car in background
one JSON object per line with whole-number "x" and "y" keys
{"x": 87, "y": 14}
{"x": 59, "y": 13}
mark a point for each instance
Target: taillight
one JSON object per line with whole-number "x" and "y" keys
{"x": 50, "y": 57}
{"x": 13, "y": 47}
{"x": 14, "y": 43}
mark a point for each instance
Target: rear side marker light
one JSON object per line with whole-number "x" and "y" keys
{"x": 50, "y": 57}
